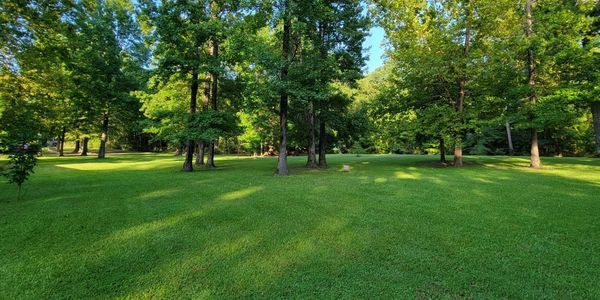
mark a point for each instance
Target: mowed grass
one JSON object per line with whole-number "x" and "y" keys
{"x": 134, "y": 226}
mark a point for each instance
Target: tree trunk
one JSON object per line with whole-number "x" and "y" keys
{"x": 511, "y": 149}
{"x": 282, "y": 168}
{"x": 322, "y": 143}
{"x": 103, "y": 137}
{"x": 458, "y": 158}
{"x": 535, "y": 152}
{"x": 190, "y": 144}
{"x": 61, "y": 143}
{"x": 442, "y": 151}
{"x": 312, "y": 152}
{"x": 77, "y": 147}
{"x": 200, "y": 154}
{"x": 205, "y": 101}
{"x": 596, "y": 120}
{"x": 210, "y": 159}
{"x": 84, "y": 148}
{"x": 558, "y": 149}
{"x": 214, "y": 78}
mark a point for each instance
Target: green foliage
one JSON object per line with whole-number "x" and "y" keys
{"x": 210, "y": 125}
{"x": 21, "y": 161}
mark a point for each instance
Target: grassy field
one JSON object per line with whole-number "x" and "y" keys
{"x": 133, "y": 226}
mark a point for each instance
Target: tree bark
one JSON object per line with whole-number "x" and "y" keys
{"x": 458, "y": 158}
{"x": 84, "y": 147}
{"x": 205, "y": 102}
{"x": 210, "y": 159}
{"x": 312, "y": 152}
{"x": 596, "y": 120}
{"x": 535, "y": 151}
{"x": 77, "y": 146}
{"x": 322, "y": 143}
{"x": 214, "y": 78}
{"x": 511, "y": 148}
{"x": 531, "y": 69}
{"x": 61, "y": 143}
{"x": 190, "y": 144}
{"x": 282, "y": 168}
{"x": 442, "y": 151}
{"x": 200, "y": 154}
{"x": 103, "y": 137}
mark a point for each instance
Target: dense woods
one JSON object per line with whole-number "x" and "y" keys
{"x": 285, "y": 77}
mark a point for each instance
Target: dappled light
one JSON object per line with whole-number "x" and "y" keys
{"x": 314, "y": 232}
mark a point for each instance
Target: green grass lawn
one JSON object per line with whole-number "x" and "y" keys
{"x": 134, "y": 226}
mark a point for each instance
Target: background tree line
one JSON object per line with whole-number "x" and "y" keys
{"x": 202, "y": 77}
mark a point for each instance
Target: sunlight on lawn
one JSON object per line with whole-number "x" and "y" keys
{"x": 236, "y": 195}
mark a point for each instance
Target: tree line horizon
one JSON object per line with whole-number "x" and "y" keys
{"x": 285, "y": 76}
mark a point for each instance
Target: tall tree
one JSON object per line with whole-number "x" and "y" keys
{"x": 282, "y": 168}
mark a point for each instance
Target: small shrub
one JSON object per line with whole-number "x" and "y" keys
{"x": 21, "y": 161}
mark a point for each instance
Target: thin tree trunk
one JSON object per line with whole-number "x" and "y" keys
{"x": 205, "y": 101}
{"x": 282, "y": 168}
{"x": 511, "y": 148}
{"x": 442, "y": 151}
{"x": 103, "y": 137}
{"x": 210, "y": 159}
{"x": 558, "y": 146}
{"x": 190, "y": 144}
{"x": 214, "y": 76}
{"x": 312, "y": 152}
{"x": 84, "y": 147}
{"x": 535, "y": 152}
{"x": 200, "y": 154}
{"x": 596, "y": 120}
{"x": 322, "y": 143}
{"x": 77, "y": 146}
{"x": 61, "y": 143}
{"x": 458, "y": 158}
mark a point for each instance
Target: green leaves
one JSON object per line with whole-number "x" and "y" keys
{"x": 21, "y": 161}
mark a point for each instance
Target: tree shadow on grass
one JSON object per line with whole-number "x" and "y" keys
{"x": 390, "y": 229}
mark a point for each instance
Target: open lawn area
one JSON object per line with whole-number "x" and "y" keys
{"x": 134, "y": 226}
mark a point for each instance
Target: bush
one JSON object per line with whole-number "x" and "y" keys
{"x": 21, "y": 161}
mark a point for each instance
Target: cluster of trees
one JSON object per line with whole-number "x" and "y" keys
{"x": 68, "y": 68}
{"x": 489, "y": 77}
{"x": 284, "y": 76}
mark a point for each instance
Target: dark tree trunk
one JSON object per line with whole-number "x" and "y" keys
{"x": 200, "y": 154}
{"x": 77, "y": 147}
{"x": 531, "y": 69}
{"x": 103, "y": 137}
{"x": 511, "y": 148}
{"x": 210, "y": 159}
{"x": 205, "y": 101}
{"x": 596, "y": 120}
{"x": 558, "y": 149}
{"x": 282, "y": 168}
{"x": 312, "y": 151}
{"x": 214, "y": 78}
{"x": 61, "y": 143}
{"x": 442, "y": 151}
{"x": 190, "y": 144}
{"x": 322, "y": 143}
{"x": 84, "y": 147}
{"x": 458, "y": 158}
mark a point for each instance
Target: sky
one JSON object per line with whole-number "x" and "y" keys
{"x": 374, "y": 49}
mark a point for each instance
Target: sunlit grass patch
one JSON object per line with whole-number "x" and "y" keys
{"x": 135, "y": 226}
